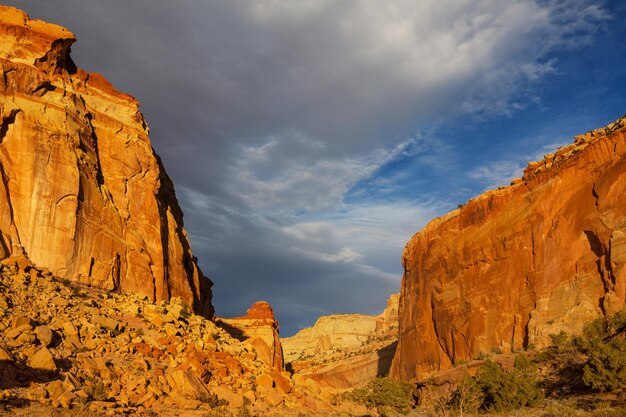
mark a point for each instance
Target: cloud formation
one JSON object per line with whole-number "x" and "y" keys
{"x": 281, "y": 123}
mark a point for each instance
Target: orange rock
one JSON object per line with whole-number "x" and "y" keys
{"x": 19, "y": 321}
{"x": 345, "y": 350}
{"x": 43, "y": 361}
{"x": 259, "y": 329}
{"x": 265, "y": 380}
{"x": 517, "y": 264}
{"x": 281, "y": 382}
{"x": 84, "y": 194}
{"x": 188, "y": 385}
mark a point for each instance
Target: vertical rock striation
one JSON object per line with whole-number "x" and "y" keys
{"x": 83, "y": 193}
{"x": 517, "y": 264}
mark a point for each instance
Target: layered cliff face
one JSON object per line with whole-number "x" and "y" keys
{"x": 345, "y": 350}
{"x": 258, "y": 328}
{"x": 517, "y": 264}
{"x": 82, "y": 193}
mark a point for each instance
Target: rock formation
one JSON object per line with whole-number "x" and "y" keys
{"x": 82, "y": 193}
{"x": 344, "y": 351}
{"x": 65, "y": 345}
{"x": 519, "y": 263}
{"x": 259, "y": 329}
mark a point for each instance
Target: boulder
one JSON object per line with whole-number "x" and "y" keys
{"x": 43, "y": 361}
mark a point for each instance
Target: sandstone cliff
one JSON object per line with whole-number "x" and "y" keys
{"x": 344, "y": 351}
{"x": 517, "y": 264}
{"x": 82, "y": 193}
{"x": 258, "y": 328}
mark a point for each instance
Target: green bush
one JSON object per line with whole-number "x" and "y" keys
{"x": 605, "y": 366}
{"x": 605, "y": 369}
{"x": 559, "y": 340}
{"x": 505, "y": 391}
{"x": 383, "y": 394}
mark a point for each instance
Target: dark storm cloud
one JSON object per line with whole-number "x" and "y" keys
{"x": 266, "y": 113}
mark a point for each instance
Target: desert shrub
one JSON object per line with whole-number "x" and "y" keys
{"x": 560, "y": 339}
{"x": 605, "y": 366}
{"x": 505, "y": 391}
{"x": 98, "y": 391}
{"x": 605, "y": 369}
{"x": 383, "y": 394}
{"x": 467, "y": 397}
{"x": 244, "y": 411}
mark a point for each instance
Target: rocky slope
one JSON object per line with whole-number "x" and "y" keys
{"x": 68, "y": 346}
{"x": 344, "y": 351}
{"x": 517, "y": 264}
{"x": 82, "y": 193}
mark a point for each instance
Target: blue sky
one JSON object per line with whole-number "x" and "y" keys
{"x": 308, "y": 141}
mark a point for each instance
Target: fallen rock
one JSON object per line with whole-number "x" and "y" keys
{"x": 188, "y": 385}
{"x": 43, "y": 361}
{"x": 44, "y": 335}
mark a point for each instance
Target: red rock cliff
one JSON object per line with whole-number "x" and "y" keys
{"x": 517, "y": 264}
{"x": 82, "y": 192}
{"x": 259, "y": 328}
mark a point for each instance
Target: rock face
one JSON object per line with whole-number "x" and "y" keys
{"x": 517, "y": 264}
{"x": 346, "y": 350}
{"x": 259, "y": 329}
{"x": 83, "y": 193}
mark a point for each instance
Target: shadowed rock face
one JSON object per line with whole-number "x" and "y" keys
{"x": 517, "y": 264}
{"x": 82, "y": 193}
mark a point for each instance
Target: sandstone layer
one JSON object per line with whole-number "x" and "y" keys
{"x": 344, "y": 351}
{"x": 83, "y": 193}
{"x": 517, "y": 264}
{"x": 258, "y": 328}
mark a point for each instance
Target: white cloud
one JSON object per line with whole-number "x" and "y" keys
{"x": 364, "y": 235}
{"x": 498, "y": 173}
{"x": 502, "y": 172}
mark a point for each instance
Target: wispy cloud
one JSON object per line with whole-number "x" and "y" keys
{"x": 502, "y": 172}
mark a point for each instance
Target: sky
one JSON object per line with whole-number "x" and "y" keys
{"x": 309, "y": 140}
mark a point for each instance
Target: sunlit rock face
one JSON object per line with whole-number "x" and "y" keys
{"x": 82, "y": 193}
{"x": 258, "y": 328}
{"x": 344, "y": 350}
{"x": 514, "y": 265}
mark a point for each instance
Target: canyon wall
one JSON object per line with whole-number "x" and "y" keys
{"x": 514, "y": 265}
{"x": 344, "y": 350}
{"x": 83, "y": 193}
